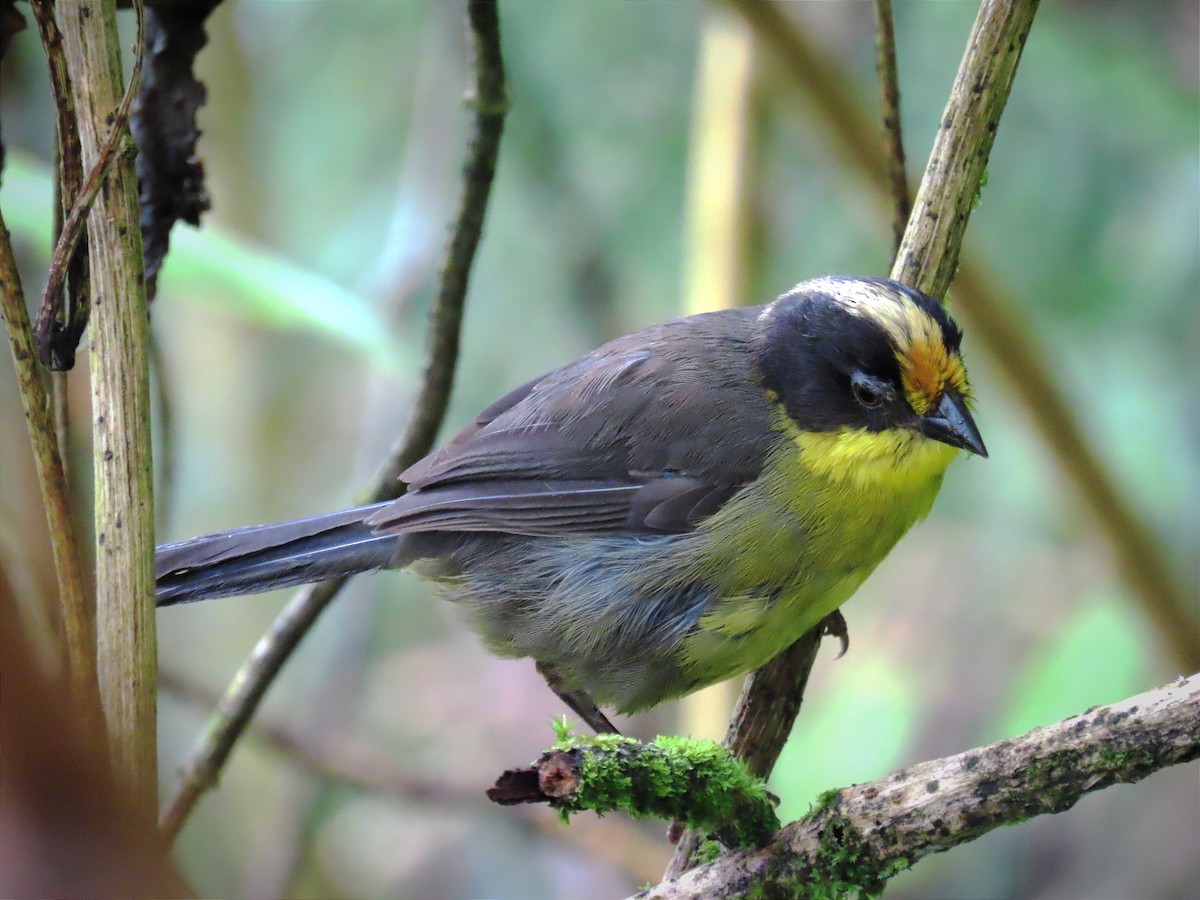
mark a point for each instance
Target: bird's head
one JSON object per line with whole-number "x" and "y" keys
{"x": 870, "y": 377}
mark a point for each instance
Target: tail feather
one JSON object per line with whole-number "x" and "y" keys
{"x": 266, "y": 557}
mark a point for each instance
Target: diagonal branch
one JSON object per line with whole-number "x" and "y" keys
{"x": 863, "y": 835}
{"x": 1010, "y": 342}
{"x": 34, "y": 387}
{"x": 241, "y": 700}
{"x": 928, "y": 256}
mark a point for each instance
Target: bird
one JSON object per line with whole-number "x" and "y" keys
{"x": 672, "y": 509}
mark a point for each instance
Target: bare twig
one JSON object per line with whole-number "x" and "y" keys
{"x": 761, "y": 723}
{"x": 70, "y": 312}
{"x": 57, "y": 338}
{"x": 1001, "y": 332}
{"x": 928, "y": 255}
{"x": 124, "y": 510}
{"x": 32, "y": 383}
{"x": 242, "y": 698}
{"x": 889, "y": 107}
{"x": 863, "y": 835}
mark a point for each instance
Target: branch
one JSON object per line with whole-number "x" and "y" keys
{"x": 863, "y": 835}
{"x": 928, "y": 255}
{"x": 59, "y": 335}
{"x": 31, "y": 382}
{"x": 124, "y": 506}
{"x": 67, "y": 315}
{"x": 889, "y": 107}
{"x": 1007, "y": 338}
{"x": 241, "y": 700}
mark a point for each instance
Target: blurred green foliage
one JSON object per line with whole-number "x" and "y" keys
{"x": 333, "y": 138}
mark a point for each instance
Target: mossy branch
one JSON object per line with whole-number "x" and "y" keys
{"x": 681, "y": 779}
{"x": 861, "y": 836}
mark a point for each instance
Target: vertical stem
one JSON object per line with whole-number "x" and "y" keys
{"x": 35, "y": 396}
{"x": 927, "y": 258}
{"x": 124, "y": 512}
{"x": 889, "y": 107}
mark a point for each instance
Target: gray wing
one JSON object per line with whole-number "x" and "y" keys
{"x": 651, "y": 433}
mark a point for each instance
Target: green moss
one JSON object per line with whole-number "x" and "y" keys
{"x": 843, "y": 866}
{"x": 825, "y": 800}
{"x": 708, "y": 851}
{"x": 695, "y": 781}
{"x": 562, "y": 730}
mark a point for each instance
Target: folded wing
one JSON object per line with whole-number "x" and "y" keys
{"x": 649, "y": 434}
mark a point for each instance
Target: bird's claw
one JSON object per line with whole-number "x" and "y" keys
{"x": 834, "y": 625}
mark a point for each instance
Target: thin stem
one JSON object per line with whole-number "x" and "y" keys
{"x": 889, "y": 106}
{"x": 56, "y": 345}
{"x": 928, "y": 254}
{"x": 70, "y": 311}
{"x": 80, "y": 655}
{"x": 241, "y": 700}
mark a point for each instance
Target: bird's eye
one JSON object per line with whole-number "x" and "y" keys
{"x": 867, "y": 391}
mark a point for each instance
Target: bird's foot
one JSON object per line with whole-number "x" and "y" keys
{"x": 834, "y": 625}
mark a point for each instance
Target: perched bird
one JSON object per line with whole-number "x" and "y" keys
{"x": 671, "y": 510}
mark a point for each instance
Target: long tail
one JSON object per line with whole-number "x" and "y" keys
{"x": 265, "y": 557}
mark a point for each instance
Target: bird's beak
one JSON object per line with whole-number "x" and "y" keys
{"x": 952, "y": 424}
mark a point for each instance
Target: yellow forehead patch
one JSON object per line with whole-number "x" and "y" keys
{"x": 927, "y": 368}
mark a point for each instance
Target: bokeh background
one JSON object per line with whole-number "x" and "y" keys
{"x": 290, "y": 331}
